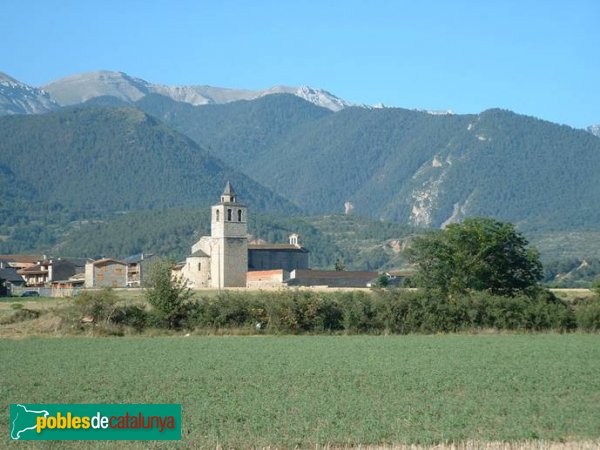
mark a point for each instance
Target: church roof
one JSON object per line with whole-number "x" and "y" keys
{"x": 199, "y": 253}
{"x": 228, "y": 189}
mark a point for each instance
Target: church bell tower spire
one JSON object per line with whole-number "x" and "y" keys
{"x": 229, "y": 231}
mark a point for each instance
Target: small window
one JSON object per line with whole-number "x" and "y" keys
{"x": 239, "y": 215}
{"x": 229, "y": 215}
{"x": 217, "y": 215}
{"x": 199, "y": 267}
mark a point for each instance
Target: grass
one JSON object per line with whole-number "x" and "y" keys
{"x": 309, "y": 391}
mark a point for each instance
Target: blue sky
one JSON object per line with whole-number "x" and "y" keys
{"x": 540, "y": 58}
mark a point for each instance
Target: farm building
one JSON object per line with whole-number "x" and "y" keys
{"x": 266, "y": 278}
{"x": 330, "y": 278}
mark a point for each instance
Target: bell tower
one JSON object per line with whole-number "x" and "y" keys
{"x": 229, "y": 232}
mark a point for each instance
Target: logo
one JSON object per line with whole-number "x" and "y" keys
{"x": 95, "y": 422}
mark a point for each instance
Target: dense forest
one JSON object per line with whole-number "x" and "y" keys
{"x": 402, "y": 165}
{"x": 106, "y": 160}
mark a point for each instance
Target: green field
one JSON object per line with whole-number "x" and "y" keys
{"x": 314, "y": 390}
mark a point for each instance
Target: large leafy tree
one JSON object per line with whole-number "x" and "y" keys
{"x": 479, "y": 254}
{"x": 168, "y": 295}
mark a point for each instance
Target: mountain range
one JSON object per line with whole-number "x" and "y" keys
{"x": 103, "y": 143}
{"x": 82, "y": 87}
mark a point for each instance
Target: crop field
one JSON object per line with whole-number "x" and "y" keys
{"x": 313, "y": 391}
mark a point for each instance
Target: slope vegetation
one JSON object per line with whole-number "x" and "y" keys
{"x": 403, "y": 165}
{"x": 115, "y": 159}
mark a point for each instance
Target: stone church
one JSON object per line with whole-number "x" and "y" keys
{"x": 223, "y": 259}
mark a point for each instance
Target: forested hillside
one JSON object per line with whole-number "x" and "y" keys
{"x": 360, "y": 243}
{"x": 403, "y": 165}
{"x": 102, "y": 159}
{"x": 243, "y": 133}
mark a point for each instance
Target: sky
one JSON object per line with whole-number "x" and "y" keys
{"x": 539, "y": 58}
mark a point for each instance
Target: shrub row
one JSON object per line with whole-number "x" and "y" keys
{"x": 398, "y": 312}
{"x": 380, "y": 312}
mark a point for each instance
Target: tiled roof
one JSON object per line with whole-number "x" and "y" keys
{"x": 10, "y": 274}
{"x": 31, "y": 259}
{"x": 285, "y": 247}
{"x": 138, "y": 257}
{"x": 102, "y": 261}
{"x": 33, "y": 270}
{"x": 77, "y": 276}
{"x": 334, "y": 274}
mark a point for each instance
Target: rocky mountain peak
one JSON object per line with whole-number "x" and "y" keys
{"x": 19, "y": 98}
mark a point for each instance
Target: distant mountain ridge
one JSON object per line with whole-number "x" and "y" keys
{"x": 79, "y": 88}
{"x": 19, "y": 98}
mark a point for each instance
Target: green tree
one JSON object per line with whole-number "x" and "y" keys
{"x": 596, "y": 285}
{"x": 98, "y": 306}
{"x": 168, "y": 295}
{"x": 478, "y": 254}
{"x": 382, "y": 281}
{"x": 339, "y": 265}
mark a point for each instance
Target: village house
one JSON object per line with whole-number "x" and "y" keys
{"x": 20, "y": 261}
{"x": 11, "y": 279}
{"x": 137, "y": 268}
{"x": 69, "y": 287}
{"x": 48, "y": 270}
{"x": 106, "y": 272}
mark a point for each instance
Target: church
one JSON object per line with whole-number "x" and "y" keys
{"x": 222, "y": 260}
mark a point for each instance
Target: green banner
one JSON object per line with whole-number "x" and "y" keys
{"x": 57, "y": 422}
